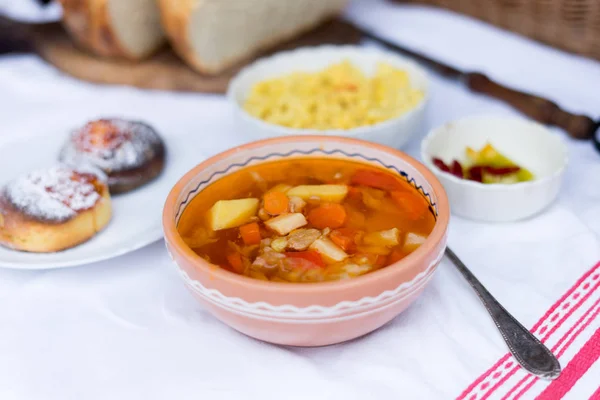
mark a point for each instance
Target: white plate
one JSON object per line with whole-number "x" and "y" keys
{"x": 136, "y": 219}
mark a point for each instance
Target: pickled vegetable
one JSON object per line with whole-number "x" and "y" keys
{"x": 485, "y": 166}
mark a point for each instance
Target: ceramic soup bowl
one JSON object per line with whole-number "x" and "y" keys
{"x": 307, "y": 314}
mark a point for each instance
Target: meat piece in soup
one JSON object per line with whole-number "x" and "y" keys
{"x": 307, "y": 220}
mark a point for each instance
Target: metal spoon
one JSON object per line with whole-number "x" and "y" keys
{"x": 526, "y": 348}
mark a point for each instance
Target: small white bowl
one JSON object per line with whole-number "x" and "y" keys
{"x": 394, "y": 132}
{"x": 527, "y": 143}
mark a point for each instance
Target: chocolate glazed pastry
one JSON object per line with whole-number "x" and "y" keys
{"x": 131, "y": 153}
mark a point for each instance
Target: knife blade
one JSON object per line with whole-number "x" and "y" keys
{"x": 538, "y": 108}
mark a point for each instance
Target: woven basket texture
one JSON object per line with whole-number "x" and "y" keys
{"x": 572, "y": 25}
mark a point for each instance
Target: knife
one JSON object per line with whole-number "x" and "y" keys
{"x": 540, "y": 109}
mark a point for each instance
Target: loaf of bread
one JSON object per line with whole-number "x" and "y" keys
{"x": 114, "y": 28}
{"x": 212, "y": 35}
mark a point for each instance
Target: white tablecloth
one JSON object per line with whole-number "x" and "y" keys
{"x": 128, "y": 329}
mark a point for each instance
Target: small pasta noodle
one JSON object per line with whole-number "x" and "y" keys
{"x": 338, "y": 97}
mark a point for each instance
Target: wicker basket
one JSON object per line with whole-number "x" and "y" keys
{"x": 572, "y": 25}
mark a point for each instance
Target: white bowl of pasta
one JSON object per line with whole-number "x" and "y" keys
{"x": 350, "y": 91}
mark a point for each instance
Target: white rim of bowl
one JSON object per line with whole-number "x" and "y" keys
{"x": 426, "y": 157}
{"x": 234, "y": 83}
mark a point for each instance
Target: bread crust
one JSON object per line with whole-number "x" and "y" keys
{"x": 175, "y": 18}
{"x": 88, "y": 23}
{"x": 23, "y": 232}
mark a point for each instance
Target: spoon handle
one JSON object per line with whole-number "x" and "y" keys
{"x": 526, "y": 348}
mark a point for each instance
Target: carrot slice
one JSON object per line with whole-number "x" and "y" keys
{"x": 345, "y": 238}
{"x": 413, "y": 206}
{"x": 395, "y": 255}
{"x": 235, "y": 260}
{"x": 306, "y": 259}
{"x": 328, "y": 215}
{"x": 250, "y": 233}
{"x": 354, "y": 193}
{"x": 375, "y": 179}
{"x": 380, "y": 261}
{"x": 354, "y": 218}
{"x": 276, "y": 203}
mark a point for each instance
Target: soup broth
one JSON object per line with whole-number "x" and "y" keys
{"x": 306, "y": 220}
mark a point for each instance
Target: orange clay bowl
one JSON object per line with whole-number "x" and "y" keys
{"x": 307, "y": 314}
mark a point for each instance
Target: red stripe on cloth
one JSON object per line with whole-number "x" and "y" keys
{"x": 564, "y": 297}
{"x": 587, "y": 323}
{"x": 542, "y": 320}
{"x": 554, "y": 328}
{"x": 483, "y": 376}
{"x": 571, "y": 311}
{"x": 582, "y": 361}
{"x": 500, "y": 382}
{"x": 560, "y": 353}
{"x": 596, "y": 395}
{"x": 556, "y": 346}
{"x": 514, "y": 388}
{"x": 566, "y": 335}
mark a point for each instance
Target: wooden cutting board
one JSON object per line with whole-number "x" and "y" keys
{"x": 164, "y": 70}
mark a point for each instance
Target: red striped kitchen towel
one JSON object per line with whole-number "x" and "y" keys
{"x": 571, "y": 329}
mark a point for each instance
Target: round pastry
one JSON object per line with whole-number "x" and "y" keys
{"x": 130, "y": 153}
{"x": 54, "y": 209}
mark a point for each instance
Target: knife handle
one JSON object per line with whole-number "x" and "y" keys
{"x": 542, "y": 110}
{"x": 14, "y": 37}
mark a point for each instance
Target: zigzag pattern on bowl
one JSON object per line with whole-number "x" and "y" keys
{"x": 265, "y": 310}
{"x": 403, "y": 174}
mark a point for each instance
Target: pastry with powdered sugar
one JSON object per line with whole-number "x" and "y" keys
{"x": 53, "y": 209}
{"x": 130, "y": 153}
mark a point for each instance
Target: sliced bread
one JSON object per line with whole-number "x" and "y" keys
{"x": 212, "y": 35}
{"x": 114, "y": 28}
